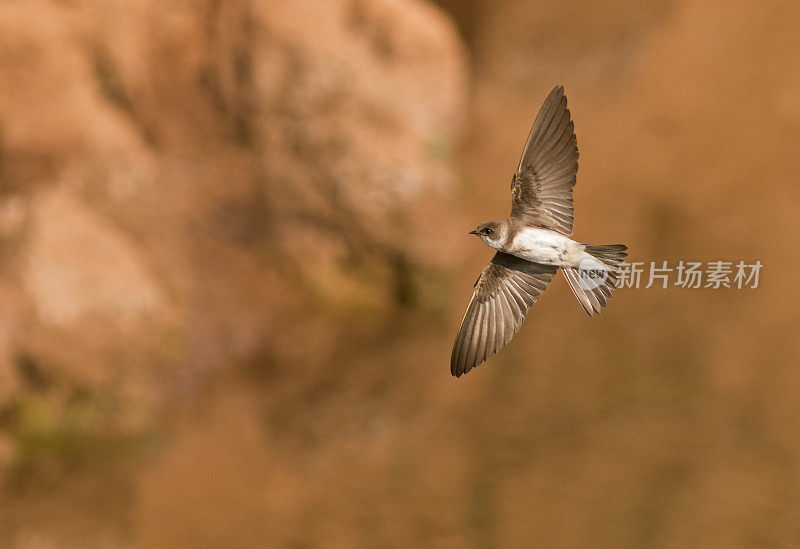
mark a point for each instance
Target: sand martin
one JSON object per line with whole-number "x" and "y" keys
{"x": 533, "y": 243}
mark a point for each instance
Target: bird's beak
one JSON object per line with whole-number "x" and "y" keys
{"x": 473, "y": 232}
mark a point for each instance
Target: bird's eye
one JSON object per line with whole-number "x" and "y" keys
{"x": 487, "y": 231}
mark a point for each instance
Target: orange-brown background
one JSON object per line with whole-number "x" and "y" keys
{"x": 233, "y": 257}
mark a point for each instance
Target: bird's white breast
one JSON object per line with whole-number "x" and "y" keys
{"x": 546, "y": 246}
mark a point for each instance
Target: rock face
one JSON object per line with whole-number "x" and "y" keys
{"x": 176, "y": 181}
{"x": 79, "y": 264}
{"x": 193, "y": 189}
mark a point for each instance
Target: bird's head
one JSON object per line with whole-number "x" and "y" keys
{"x": 491, "y": 232}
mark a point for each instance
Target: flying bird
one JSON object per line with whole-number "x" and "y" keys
{"x": 533, "y": 243}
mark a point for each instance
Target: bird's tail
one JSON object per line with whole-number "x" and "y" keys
{"x": 595, "y": 277}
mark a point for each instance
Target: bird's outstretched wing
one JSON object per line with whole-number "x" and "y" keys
{"x": 507, "y": 287}
{"x": 541, "y": 190}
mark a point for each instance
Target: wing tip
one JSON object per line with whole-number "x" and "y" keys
{"x": 457, "y": 370}
{"x": 555, "y": 96}
{"x": 558, "y": 90}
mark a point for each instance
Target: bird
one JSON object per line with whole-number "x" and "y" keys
{"x": 534, "y": 242}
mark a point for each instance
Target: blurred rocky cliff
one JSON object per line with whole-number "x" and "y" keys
{"x": 216, "y": 225}
{"x": 186, "y": 186}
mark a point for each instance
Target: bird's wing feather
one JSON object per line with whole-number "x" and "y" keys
{"x": 541, "y": 190}
{"x": 507, "y": 287}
